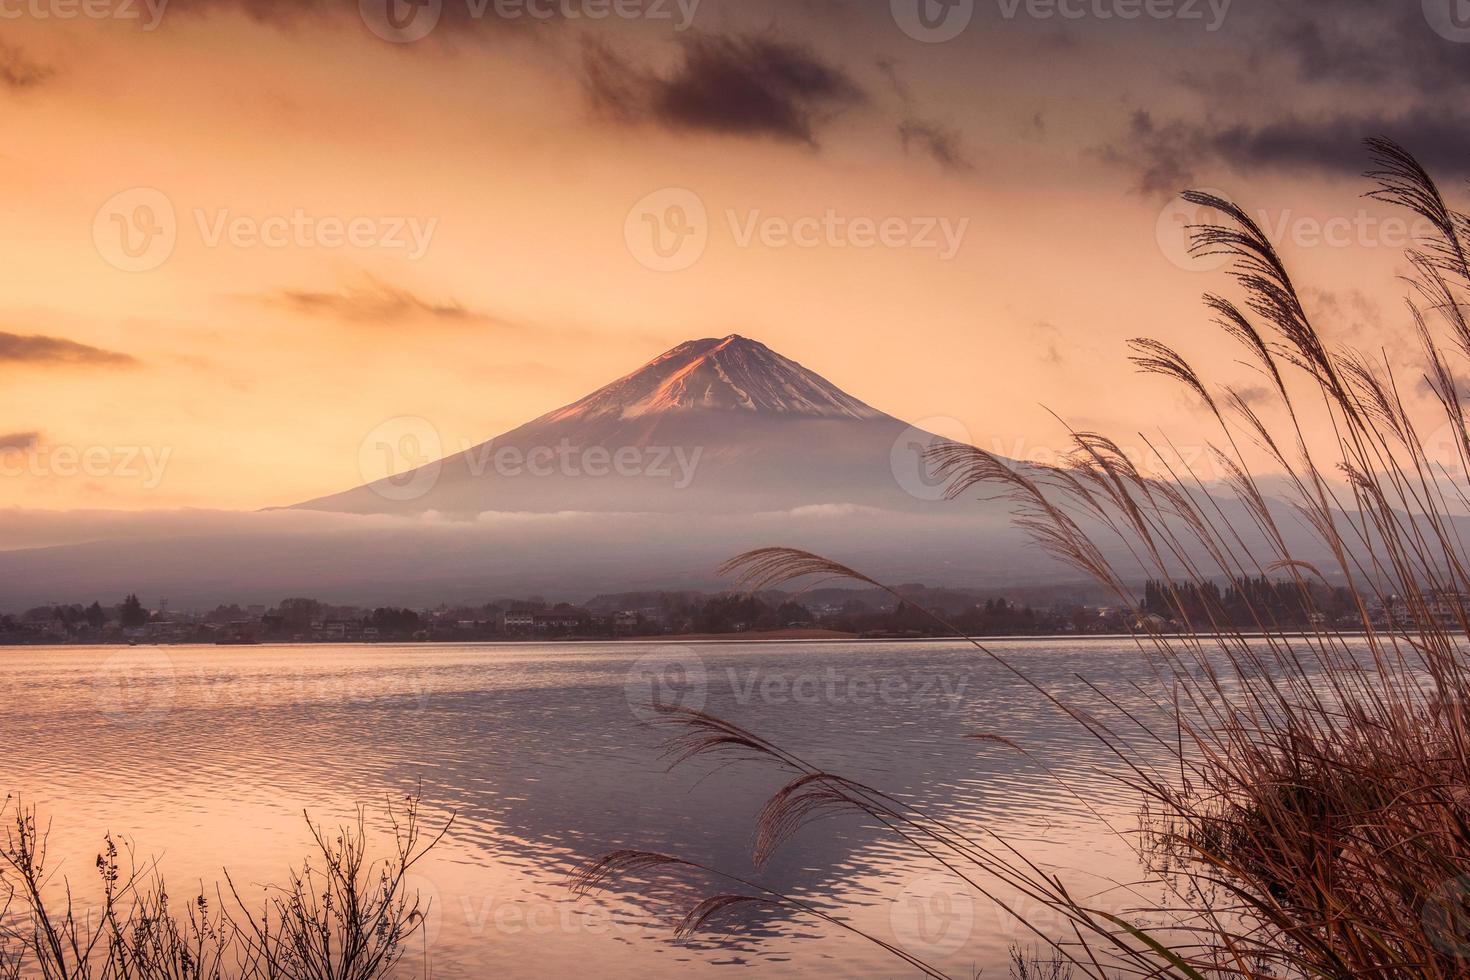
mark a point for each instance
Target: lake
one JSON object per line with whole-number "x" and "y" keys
{"x": 206, "y": 758}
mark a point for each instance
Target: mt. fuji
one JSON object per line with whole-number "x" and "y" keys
{"x": 710, "y": 449}
{"x": 715, "y": 425}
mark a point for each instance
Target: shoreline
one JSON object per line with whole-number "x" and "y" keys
{"x": 766, "y": 636}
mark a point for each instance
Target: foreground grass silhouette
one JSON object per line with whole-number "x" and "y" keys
{"x": 341, "y": 916}
{"x": 1312, "y": 815}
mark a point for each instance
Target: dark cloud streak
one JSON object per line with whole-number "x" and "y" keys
{"x": 21, "y": 441}
{"x": 53, "y": 351}
{"x": 940, "y": 142}
{"x": 943, "y": 143}
{"x": 377, "y": 302}
{"x": 743, "y": 86}
{"x": 1167, "y": 157}
{"x": 19, "y": 72}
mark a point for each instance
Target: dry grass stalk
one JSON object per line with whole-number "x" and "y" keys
{"x": 1313, "y": 818}
{"x": 342, "y": 916}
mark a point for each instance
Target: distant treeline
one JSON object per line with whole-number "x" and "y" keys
{"x": 632, "y": 614}
{"x": 1244, "y": 603}
{"x": 1247, "y": 603}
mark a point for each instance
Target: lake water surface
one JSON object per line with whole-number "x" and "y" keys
{"x": 206, "y": 758}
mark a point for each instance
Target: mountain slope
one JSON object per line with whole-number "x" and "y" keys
{"x": 714, "y": 425}
{"x": 730, "y": 374}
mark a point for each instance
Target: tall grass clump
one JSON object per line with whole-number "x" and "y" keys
{"x": 341, "y": 916}
{"x": 1311, "y": 815}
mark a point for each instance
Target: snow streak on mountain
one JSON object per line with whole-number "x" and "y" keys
{"x": 733, "y": 373}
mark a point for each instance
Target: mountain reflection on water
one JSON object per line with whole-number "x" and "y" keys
{"x": 207, "y": 757}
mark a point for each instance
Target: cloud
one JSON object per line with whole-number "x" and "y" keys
{"x": 18, "y": 71}
{"x": 377, "y": 302}
{"x": 1256, "y": 396}
{"x": 1368, "y": 44}
{"x": 889, "y": 70}
{"x": 743, "y": 86}
{"x": 941, "y": 143}
{"x": 18, "y": 441}
{"x": 1381, "y": 67}
{"x": 35, "y": 349}
{"x": 451, "y": 15}
{"x": 1162, "y": 157}
{"x": 1047, "y": 339}
{"x": 1166, "y": 157}
{"x": 1440, "y": 138}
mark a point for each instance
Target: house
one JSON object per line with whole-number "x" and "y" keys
{"x": 1445, "y": 608}
{"x": 1149, "y": 623}
{"x": 557, "y": 621}
{"x": 512, "y": 621}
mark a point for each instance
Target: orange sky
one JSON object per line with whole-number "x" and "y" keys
{"x": 243, "y": 366}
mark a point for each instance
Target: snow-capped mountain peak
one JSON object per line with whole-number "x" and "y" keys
{"x": 729, "y": 374}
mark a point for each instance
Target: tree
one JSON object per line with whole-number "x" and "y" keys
{"x": 300, "y": 613}
{"x": 395, "y": 621}
{"x": 96, "y": 616}
{"x": 132, "y": 614}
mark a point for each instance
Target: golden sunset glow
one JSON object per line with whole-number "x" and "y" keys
{"x": 366, "y": 230}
